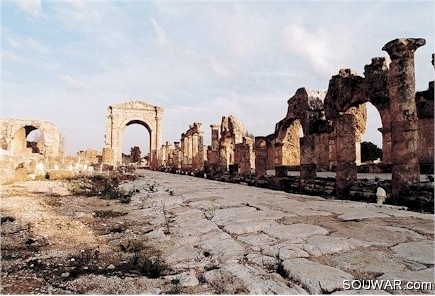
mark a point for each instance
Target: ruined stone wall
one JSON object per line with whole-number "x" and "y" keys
{"x": 14, "y": 132}
{"x": 425, "y": 112}
{"x": 232, "y": 133}
{"x": 244, "y": 155}
{"x": 90, "y": 156}
{"x": 305, "y": 115}
{"x": 333, "y": 124}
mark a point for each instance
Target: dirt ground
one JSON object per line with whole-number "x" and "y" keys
{"x": 55, "y": 243}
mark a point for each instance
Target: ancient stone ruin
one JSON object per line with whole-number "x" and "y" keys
{"x": 320, "y": 132}
{"x": 14, "y": 132}
{"x": 119, "y": 116}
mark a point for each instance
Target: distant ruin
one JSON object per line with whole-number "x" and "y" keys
{"x": 322, "y": 129}
{"x": 320, "y": 132}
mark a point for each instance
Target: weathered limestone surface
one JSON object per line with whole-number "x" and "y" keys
{"x": 234, "y": 147}
{"x": 119, "y": 116}
{"x": 404, "y": 120}
{"x": 14, "y": 132}
{"x": 192, "y": 149}
{"x": 315, "y": 277}
{"x": 20, "y": 158}
{"x": 247, "y": 232}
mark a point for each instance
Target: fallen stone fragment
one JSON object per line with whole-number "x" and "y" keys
{"x": 315, "y": 277}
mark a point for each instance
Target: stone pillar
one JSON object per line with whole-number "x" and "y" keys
{"x": 189, "y": 151}
{"x": 346, "y": 172}
{"x": 308, "y": 159}
{"x": 183, "y": 151}
{"x": 215, "y": 136}
{"x": 201, "y": 152}
{"x": 177, "y": 155}
{"x": 195, "y": 160}
{"x": 260, "y": 156}
{"x": 404, "y": 121}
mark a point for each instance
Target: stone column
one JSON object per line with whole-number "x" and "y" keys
{"x": 346, "y": 172}
{"x": 177, "y": 155}
{"x": 215, "y": 136}
{"x": 404, "y": 121}
{"x": 194, "y": 138}
{"x": 183, "y": 151}
{"x": 260, "y": 156}
{"x": 201, "y": 152}
{"x": 189, "y": 151}
{"x": 308, "y": 159}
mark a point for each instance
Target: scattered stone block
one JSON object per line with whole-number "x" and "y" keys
{"x": 60, "y": 174}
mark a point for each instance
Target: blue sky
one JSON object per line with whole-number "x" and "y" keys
{"x": 66, "y": 61}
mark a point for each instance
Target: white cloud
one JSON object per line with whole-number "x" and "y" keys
{"x": 71, "y": 82}
{"x": 326, "y": 50}
{"x": 32, "y": 7}
{"x": 10, "y": 56}
{"x": 162, "y": 37}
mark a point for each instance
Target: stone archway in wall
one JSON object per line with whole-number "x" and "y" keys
{"x": 14, "y": 132}
{"x": 119, "y": 116}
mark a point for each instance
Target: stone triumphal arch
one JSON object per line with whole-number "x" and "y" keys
{"x": 119, "y": 117}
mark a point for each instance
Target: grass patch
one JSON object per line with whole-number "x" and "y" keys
{"x": 109, "y": 213}
{"x": 102, "y": 186}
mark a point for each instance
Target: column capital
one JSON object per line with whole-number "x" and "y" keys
{"x": 403, "y": 47}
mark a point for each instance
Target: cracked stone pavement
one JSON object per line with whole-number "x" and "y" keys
{"x": 250, "y": 233}
{"x": 233, "y": 238}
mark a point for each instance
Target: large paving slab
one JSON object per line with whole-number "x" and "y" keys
{"x": 315, "y": 277}
{"x": 422, "y": 252}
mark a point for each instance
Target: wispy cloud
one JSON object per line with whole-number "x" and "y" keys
{"x": 75, "y": 84}
{"x": 160, "y": 33}
{"x": 32, "y": 7}
{"x": 322, "y": 49}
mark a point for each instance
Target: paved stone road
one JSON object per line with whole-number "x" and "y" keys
{"x": 263, "y": 241}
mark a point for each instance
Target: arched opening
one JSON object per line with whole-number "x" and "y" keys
{"x": 136, "y": 143}
{"x": 35, "y": 141}
{"x": 373, "y": 135}
{"x": 28, "y": 139}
